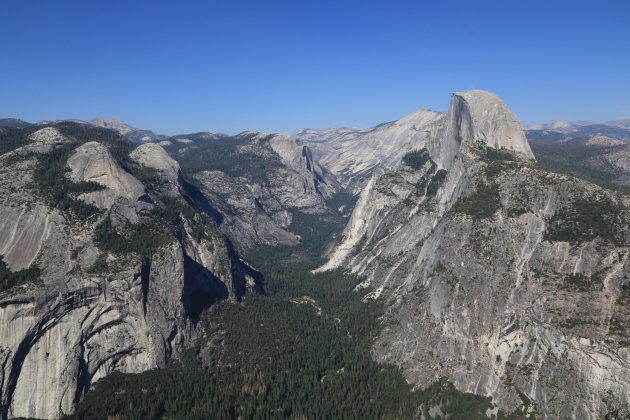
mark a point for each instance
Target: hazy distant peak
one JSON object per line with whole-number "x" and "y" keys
{"x": 13, "y": 122}
{"x": 561, "y": 126}
{"x": 132, "y": 133}
{"x": 117, "y": 125}
{"x": 621, "y": 123}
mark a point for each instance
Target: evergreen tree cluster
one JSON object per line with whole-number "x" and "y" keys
{"x": 12, "y": 138}
{"x": 282, "y": 356}
{"x": 587, "y": 218}
{"x": 234, "y": 155}
{"x": 58, "y": 190}
{"x": 416, "y": 158}
{"x": 483, "y": 203}
{"x": 162, "y": 225}
{"x": 9, "y": 279}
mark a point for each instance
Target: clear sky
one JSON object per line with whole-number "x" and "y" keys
{"x": 229, "y": 66}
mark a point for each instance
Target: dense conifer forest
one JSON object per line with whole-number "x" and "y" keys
{"x": 302, "y": 349}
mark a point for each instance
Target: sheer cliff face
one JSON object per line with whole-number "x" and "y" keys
{"x": 476, "y": 117}
{"x": 93, "y": 311}
{"x": 509, "y": 280}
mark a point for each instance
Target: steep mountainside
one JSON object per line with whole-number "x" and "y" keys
{"x": 263, "y": 185}
{"x": 495, "y": 277}
{"x": 505, "y": 278}
{"x": 352, "y": 155}
{"x": 106, "y": 264}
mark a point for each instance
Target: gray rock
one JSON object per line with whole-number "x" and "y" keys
{"x": 152, "y": 155}
{"x": 352, "y": 155}
{"x": 622, "y": 414}
{"x": 136, "y": 135}
{"x": 484, "y": 300}
{"x": 73, "y": 326}
{"x": 93, "y": 162}
{"x": 258, "y": 210}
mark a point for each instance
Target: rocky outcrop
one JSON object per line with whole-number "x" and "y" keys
{"x": 94, "y": 310}
{"x": 154, "y": 156}
{"x": 622, "y": 414}
{"x": 506, "y": 279}
{"x": 58, "y": 339}
{"x": 93, "y": 162}
{"x": 471, "y": 249}
{"x": 48, "y": 136}
{"x": 21, "y": 240}
{"x": 603, "y": 141}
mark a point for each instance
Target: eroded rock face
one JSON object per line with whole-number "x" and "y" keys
{"x": 59, "y": 339}
{"x": 465, "y": 127}
{"x": 473, "y": 256}
{"x": 353, "y": 155}
{"x": 153, "y": 156}
{"x": 306, "y": 182}
{"x": 77, "y": 323}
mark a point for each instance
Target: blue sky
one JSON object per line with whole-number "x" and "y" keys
{"x": 229, "y": 66}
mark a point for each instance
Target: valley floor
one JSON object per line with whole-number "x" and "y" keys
{"x": 300, "y": 351}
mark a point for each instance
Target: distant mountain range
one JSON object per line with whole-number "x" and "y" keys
{"x": 134, "y": 134}
{"x": 12, "y": 122}
{"x": 565, "y": 130}
{"x": 571, "y": 126}
{"x": 551, "y": 131}
{"x": 622, "y": 123}
{"x": 489, "y": 268}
